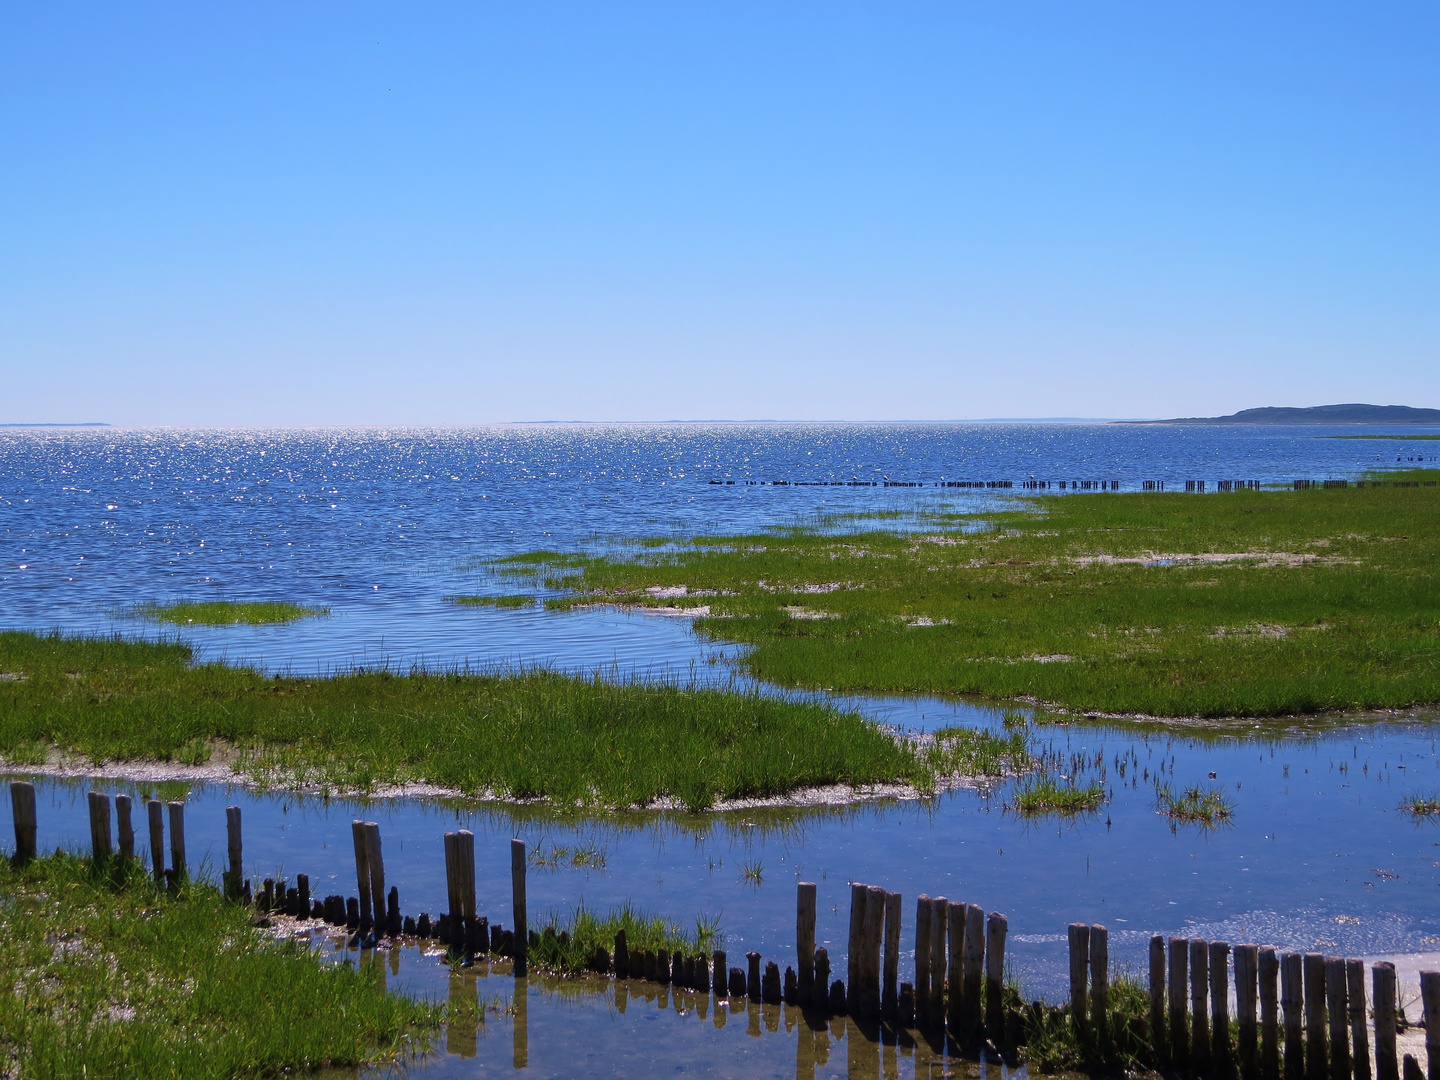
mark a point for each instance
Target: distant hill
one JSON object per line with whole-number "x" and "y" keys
{"x": 1316, "y": 414}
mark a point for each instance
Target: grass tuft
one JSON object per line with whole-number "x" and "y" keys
{"x": 517, "y": 600}
{"x": 1207, "y": 806}
{"x": 1421, "y": 806}
{"x": 1044, "y": 796}
{"x": 228, "y": 612}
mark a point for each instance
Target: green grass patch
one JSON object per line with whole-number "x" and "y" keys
{"x": 109, "y": 976}
{"x": 1047, "y": 797}
{"x": 517, "y": 600}
{"x": 1207, "y": 806}
{"x": 1422, "y": 806}
{"x": 577, "y": 741}
{"x": 229, "y": 612}
{"x": 1249, "y": 603}
{"x": 569, "y": 942}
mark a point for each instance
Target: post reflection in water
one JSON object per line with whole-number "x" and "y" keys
{"x": 460, "y": 1032}
{"x": 520, "y": 1054}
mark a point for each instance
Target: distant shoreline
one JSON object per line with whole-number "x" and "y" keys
{"x": 83, "y": 423}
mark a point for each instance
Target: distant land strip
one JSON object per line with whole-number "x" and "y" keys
{"x": 1316, "y": 414}
{"x": 61, "y": 423}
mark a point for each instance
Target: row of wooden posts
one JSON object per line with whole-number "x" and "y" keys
{"x": 959, "y": 958}
{"x": 1319, "y": 1000}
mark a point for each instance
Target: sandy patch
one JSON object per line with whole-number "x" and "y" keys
{"x": 795, "y": 611}
{"x": 1208, "y": 558}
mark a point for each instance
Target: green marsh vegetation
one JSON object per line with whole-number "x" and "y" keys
{"x": 568, "y": 943}
{"x": 229, "y": 612}
{"x": 1248, "y": 603}
{"x": 509, "y": 602}
{"x": 1422, "y": 806}
{"x": 110, "y": 976}
{"x": 530, "y": 734}
{"x": 1046, "y": 796}
{"x": 1204, "y": 806}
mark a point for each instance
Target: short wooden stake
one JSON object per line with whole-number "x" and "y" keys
{"x": 1246, "y": 982}
{"x": 1292, "y": 1005}
{"x": 1269, "y": 965}
{"x": 1157, "y": 993}
{"x": 973, "y": 1016}
{"x": 1179, "y": 1028}
{"x": 360, "y": 841}
{"x": 236, "y": 877}
{"x": 1100, "y": 984}
{"x": 922, "y": 958}
{"x": 1079, "y": 975}
{"x": 1317, "y": 1064}
{"x": 1430, "y": 1003}
{"x": 22, "y": 804}
{"x": 1411, "y": 1069}
{"x": 996, "y": 927}
{"x": 1199, "y": 1004}
{"x": 822, "y": 980}
{"x": 1359, "y": 1036}
{"x": 517, "y": 901}
{"x": 1387, "y": 1065}
{"x": 890, "y": 994}
{"x": 805, "y": 936}
{"x": 1219, "y": 960}
{"x": 156, "y": 813}
{"x": 939, "y": 916}
{"x": 124, "y": 827}
{"x": 955, "y": 966}
{"x": 100, "y": 846}
{"x": 177, "y": 839}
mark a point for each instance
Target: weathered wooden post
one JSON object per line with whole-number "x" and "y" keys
{"x": 1360, "y": 1040}
{"x": 1430, "y": 1003}
{"x": 124, "y": 827}
{"x": 360, "y": 841}
{"x": 236, "y": 877}
{"x": 1220, "y": 1007}
{"x": 1199, "y": 1004}
{"x": 939, "y": 917}
{"x": 156, "y": 813}
{"x": 375, "y": 863}
{"x": 890, "y": 997}
{"x": 177, "y": 839}
{"x": 100, "y": 846}
{"x": 996, "y": 927}
{"x": 922, "y": 958}
{"x": 805, "y": 937}
{"x": 1246, "y": 962}
{"x": 1157, "y": 994}
{"x": 1079, "y": 971}
{"x": 22, "y": 804}
{"x": 1100, "y": 985}
{"x": 1269, "y": 965}
{"x": 973, "y": 1016}
{"x": 1292, "y": 1005}
{"x": 853, "y": 959}
{"x": 1179, "y": 1028}
{"x": 752, "y": 976}
{"x": 955, "y": 966}
{"x": 1387, "y": 1064}
{"x": 822, "y": 980}
{"x": 517, "y": 899}
{"x": 1337, "y": 1008}
{"x": 1316, "y": 1057}
{"x": 872, "y": 931}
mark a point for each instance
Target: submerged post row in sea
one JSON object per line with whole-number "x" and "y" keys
{"x": 1297, "y": 1016}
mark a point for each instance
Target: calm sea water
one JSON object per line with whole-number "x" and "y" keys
{"x": 381, "y": 526}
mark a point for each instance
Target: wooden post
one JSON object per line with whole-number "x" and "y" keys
{"x": 177, "y": 839}
{"x": 858, "y": 897}
{"x": 939, "y": 908}
{"x": 1337, "y": 1006}
{"x": 1430, "y": 1003}
{"x": 22, "y": 804}
{"x": 1199, "y": 1010}
{"x": 1269, "y": 965}
{"x": 236, "y": 875}
{"x": 955, "y": 979}
{"x": 1317, "y": 1065}
{"x": 1100, "y": 984}
{"x": 996, "y": 927}
{"x": 1157, "y": 993}
{"x": 1360, "y": 1039}
{"x": 465, "y": 880}
{"x": 719, "y": 969}
{"x": 1220, "y": 1006}
{"x": 1246, "y": 963}
{"x": 100, "y": 846}
{"x": 889, "y": 996}
{"x": 124, "y": 827}
{"x": 1179, "y": 1029}
{"x": 517, "y": 900}
{"x": 822, "y": 980}
{"x": 1387, "y": 1064}
{"x": 361, "y": 844}
{"x": 974, "y": 975}
{"x": 156, "y": 814}
{"x": 752, "y": 976}
{"x": 1292, "y": 1005}
{"x": 376, "y": 862}
{"x": 871, "y": 932}
{"x": 1079, "y": 969}
{"x": 922, "y": 958}
{"x": 452, "y": 886}
{"x": 805, "y": 937}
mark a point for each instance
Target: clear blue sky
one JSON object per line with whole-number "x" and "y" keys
{"x": 457, "y": 213}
